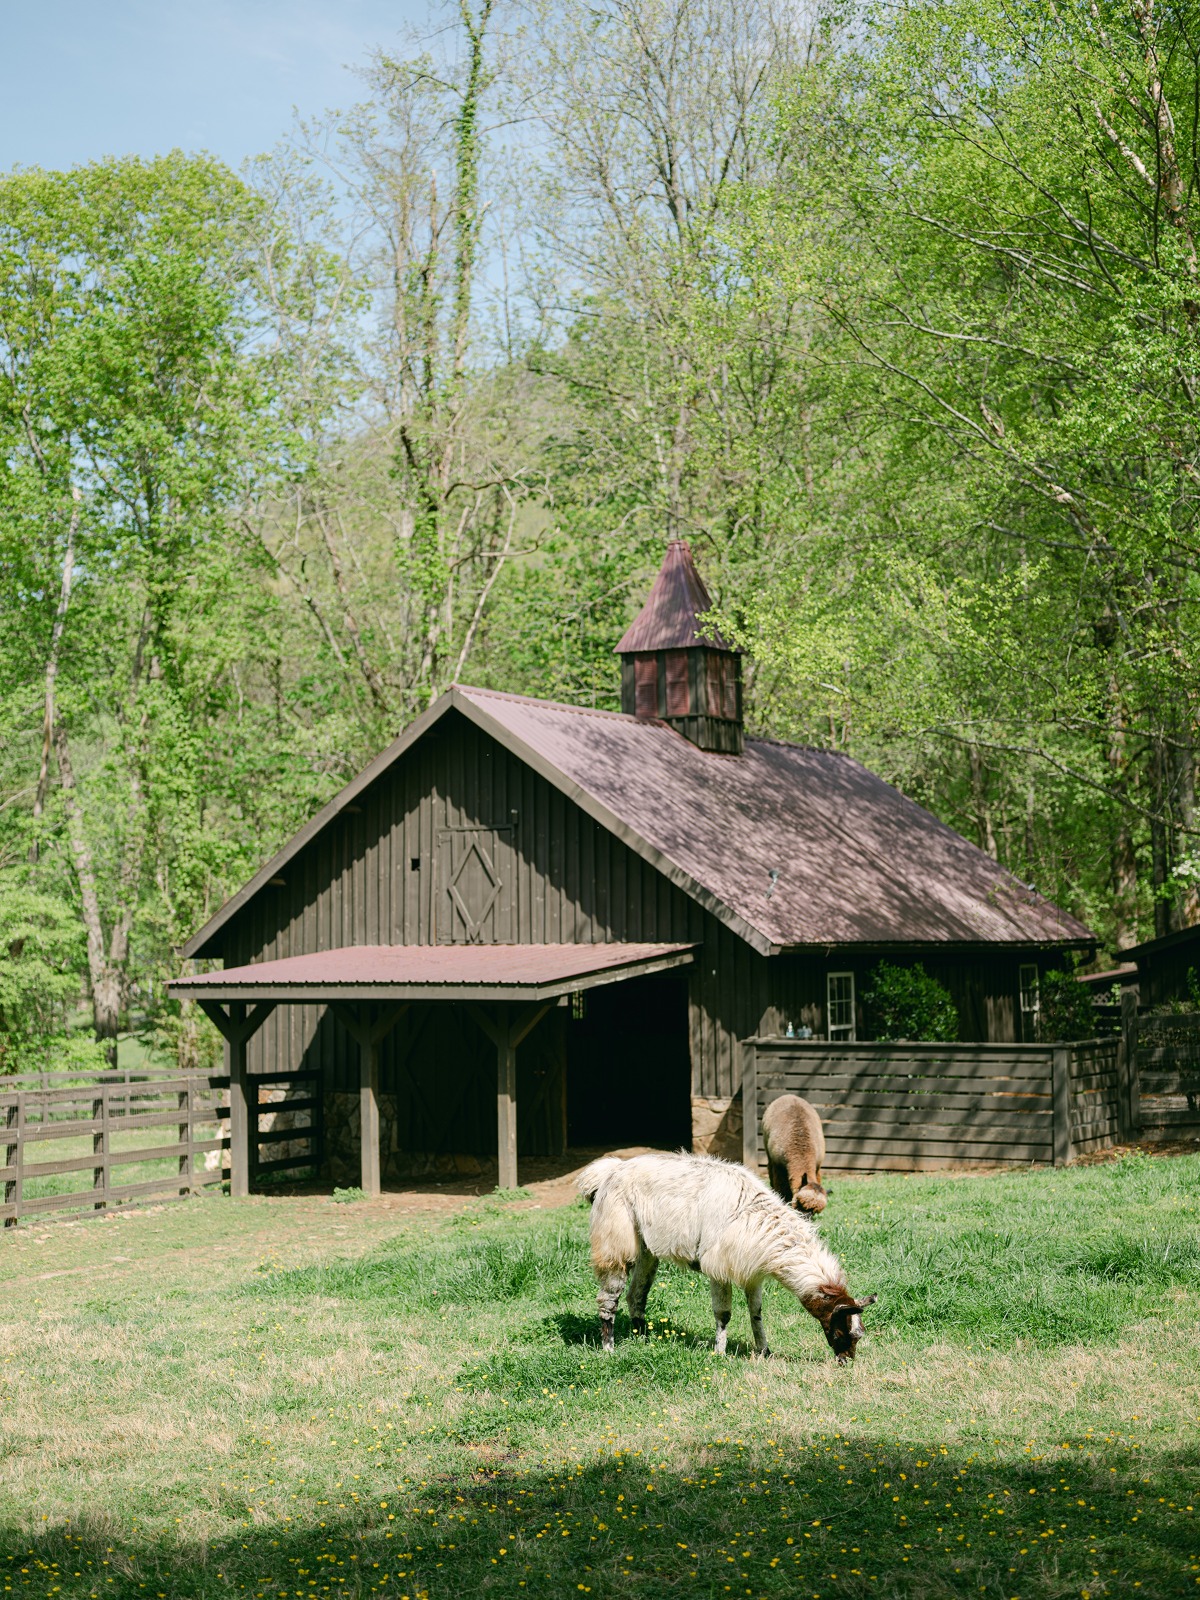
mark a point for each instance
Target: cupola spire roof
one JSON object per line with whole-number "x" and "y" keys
{"x": 670, "y": 619}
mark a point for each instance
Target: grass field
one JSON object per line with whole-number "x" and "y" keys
{"x": 289, "y": 1396}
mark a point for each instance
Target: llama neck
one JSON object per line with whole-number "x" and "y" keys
{"x": 807, "y": 1272}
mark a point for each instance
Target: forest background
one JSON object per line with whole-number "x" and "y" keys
{"x": 891, "y": 310}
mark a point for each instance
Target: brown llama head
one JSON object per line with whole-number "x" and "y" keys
{"x": 810, "y": 1198}
{"x": 840, "y": 1315}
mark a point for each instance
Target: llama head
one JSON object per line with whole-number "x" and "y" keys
{"x": 840, "y": 1315}
{"x": 810, "y": 1197}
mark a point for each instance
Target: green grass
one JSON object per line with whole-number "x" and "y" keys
{"x": 289, "y": 1396}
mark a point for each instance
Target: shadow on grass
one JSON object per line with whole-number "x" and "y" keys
{"x": 571, "y": 1329}
{"x": 840, "y": 1516}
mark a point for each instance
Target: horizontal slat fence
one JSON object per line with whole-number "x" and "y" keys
{"x": 1166, "y": 1053}
{"x": 920, "y": 1107}
{"x": 120, "y": 1116}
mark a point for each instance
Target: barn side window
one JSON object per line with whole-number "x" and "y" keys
{"x": 839, "y": 998}
{"x": 578, "y": 1006}
{"x": 1031, "y": 1002}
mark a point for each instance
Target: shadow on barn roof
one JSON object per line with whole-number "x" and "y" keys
{"x": 788, "y": 845}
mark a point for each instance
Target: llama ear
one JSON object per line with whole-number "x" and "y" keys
{"x": 869, "y": 1301}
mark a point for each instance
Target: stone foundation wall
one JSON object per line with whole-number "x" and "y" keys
{"x": 717, "y": 1126}
{"x": 343, "y": 1149}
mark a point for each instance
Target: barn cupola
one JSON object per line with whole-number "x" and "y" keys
{"x": 677, "y": 670}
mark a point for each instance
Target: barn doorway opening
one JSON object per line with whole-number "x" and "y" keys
{"x": 628, "y": 1064}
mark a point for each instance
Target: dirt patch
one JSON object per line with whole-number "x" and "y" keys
{"x": 546, "y": 1180}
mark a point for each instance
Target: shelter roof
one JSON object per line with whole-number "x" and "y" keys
{"x": 788, "y": 846}
{"x": 1166, "y": 941}
{"x": 431, "y": 972}
{"x": 670, "y": 619}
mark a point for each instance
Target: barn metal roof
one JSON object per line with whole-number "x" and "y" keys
{"x": 433, "y": 972}
{"x": 670, "y": 619}
{"x": 787, "y": 845}
{"x": 807, "y": 847}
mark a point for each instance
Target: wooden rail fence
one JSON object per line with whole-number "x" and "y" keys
{"x": 917, "y": 1107}
{"x": 35, "y": 1121}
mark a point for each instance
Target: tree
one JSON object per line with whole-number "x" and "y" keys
{"x": 131, "y": 403}
{"x": 1013, "y": 615}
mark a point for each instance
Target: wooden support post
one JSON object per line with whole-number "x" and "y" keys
{"x": 1128, "y": 1090}
{"x": 369, "y": 1036}
{"x": 750, "y": 1153}
{"x": 506, "y": 1106}
{"x": 368, "y": 1115}
{"x": 239, "y": 1120}
{"x": 1061, "y": 1083}
{"x": 506, "y": 1032}
{"x": 237, "y": 1027}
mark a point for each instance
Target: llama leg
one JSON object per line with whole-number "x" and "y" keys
{"x": 779, "y": 1180}
{"x": 607, "y": 1296}
{"x": 722, "y": 1304}
{"x": 640, "y": 1280}
{"x": 754, "y": 1306}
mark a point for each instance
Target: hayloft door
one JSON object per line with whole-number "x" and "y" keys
{"x": 474, "y": 902}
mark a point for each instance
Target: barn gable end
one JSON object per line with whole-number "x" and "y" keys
{"x": 376, "y": 874}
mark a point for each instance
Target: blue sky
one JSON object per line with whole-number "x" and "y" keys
{"x": 89, "y": 78}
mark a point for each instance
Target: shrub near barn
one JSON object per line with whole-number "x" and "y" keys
{"x": 905, "y": 1003}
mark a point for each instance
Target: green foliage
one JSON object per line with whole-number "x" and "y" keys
{"x": 41, "y": 957}
{"x": 348, "y": 1196}
{"x": 1064, "y": 1007}
{"x": 906, "y": 1003}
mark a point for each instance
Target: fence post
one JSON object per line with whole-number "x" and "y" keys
{"x": 1127, "y": 1067}
{"x": 184, "y": 1099}
{"x": 1061, "y": 1083}
{"x": 750, "y": 1156}
{"x": 100, "y": 1147}
{"x": 13, "y": 1155}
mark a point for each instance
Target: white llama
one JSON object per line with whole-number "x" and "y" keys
{"x": 719, "y": 1219}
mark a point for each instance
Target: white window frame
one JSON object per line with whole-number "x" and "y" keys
{"x": 840, "y": 1032}
{"x": 1031, "y": 1015}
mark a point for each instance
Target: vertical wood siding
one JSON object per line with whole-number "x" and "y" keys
{"x": 568, "y": 881}
{"x": 371, "y": 877}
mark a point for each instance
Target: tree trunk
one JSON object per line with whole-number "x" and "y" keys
{"x": 983, "y": 812}
{"x": 106, "y": 984}
{"x": 1123, "y": 860}
{"x": 1159, "y": 844}
{"x": 60, "y": 618}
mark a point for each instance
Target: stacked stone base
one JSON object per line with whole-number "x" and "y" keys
{"x": 342, "y": 1147}
{"x": 717, "y": 1126}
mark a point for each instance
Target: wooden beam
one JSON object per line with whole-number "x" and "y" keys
{"x": 524, "y": 1022}
{"x": 506, "y": 1030}
{"x": 369, "y": 1036}
{"x": 239, "y": 1119}
{"x": 368, "y": 1116}
{"x": 750, "y": 1149}
{"x": 238, "y": 1025}
{"x": 236, "y": 1022}
{"x": 506, "y": 1108}
{"x": 362, "y": 1031}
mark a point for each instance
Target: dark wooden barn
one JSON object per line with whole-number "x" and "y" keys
{"x": 528, "y": 925}
{"x": 1166, "y": 970}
